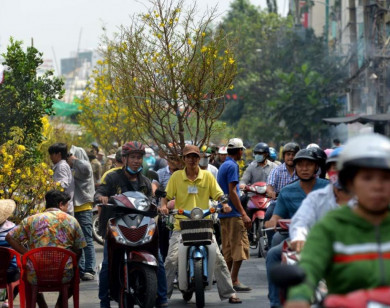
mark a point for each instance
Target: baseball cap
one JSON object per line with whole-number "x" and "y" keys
{"x": 236, "y": 143}
{"x": 222, "y": 150}
{"x": 191, "y": 149}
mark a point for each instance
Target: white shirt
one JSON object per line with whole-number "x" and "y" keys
{"x": 213, "y": 170}
{"x": 313, "y": 208}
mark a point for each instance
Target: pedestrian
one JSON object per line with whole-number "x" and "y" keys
{"x": 128, "y": 178}
{"x": 83, "y": 204}
{"x": 7, "y": 207}
{"x": 164, "y": 174}
{"x": 53, "y": 227}
{"x": 96, "y": 167}
{"x": 235, "y": 243}
{"x": 193, "y": 187}
{"x": 62, "y": 174}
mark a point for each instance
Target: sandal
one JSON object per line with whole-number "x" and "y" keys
{"x": 234, "y": 300}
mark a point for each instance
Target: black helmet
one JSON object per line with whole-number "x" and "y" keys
{"x": 308, "y": 154}
{"x": 291, "y": 147}
{"x": 261, "y": 147}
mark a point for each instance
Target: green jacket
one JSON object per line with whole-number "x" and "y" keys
{"x": 346, "y": 250}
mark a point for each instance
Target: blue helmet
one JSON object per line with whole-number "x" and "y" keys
{"x": 272, "y": 153}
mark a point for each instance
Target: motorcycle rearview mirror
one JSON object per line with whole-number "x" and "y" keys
{"x": 285, "y": 276}
{"x": 160, "y": 193}
{"x": 224, "y": 199}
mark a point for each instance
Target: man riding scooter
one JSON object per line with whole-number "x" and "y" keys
{"x": 128, "y": 178}
{"x": 193, "y": 187}
{"x": 289, "y": 200}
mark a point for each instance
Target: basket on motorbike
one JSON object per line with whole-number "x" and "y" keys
{"x": 196, "y": 232}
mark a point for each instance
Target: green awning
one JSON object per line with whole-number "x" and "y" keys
{"x": 63, "y": 109}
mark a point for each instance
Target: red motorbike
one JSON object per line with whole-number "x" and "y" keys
{"x": 132, "y": 244}
{"x": 256, "y": 203}
{"x": 286, "y": 276}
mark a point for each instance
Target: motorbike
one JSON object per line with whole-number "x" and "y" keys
{"x": 289, "y": 275}
{"x": 197, "y": 253}
{"x": 256, "y": 202}
{"x": 95, "y": 226}
{"x": 132, "y": 244}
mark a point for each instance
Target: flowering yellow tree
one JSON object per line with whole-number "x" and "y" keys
{"x": 172, "y": 70}
{"x": 104, "y": 113}
{"x": 22, "y": 179}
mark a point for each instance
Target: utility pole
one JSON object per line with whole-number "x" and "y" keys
{"x": 353, "y": 62}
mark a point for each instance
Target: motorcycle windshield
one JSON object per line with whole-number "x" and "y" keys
{"x": 135, "y": 201}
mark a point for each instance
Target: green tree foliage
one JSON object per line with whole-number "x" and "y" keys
{"x": 26, "y": 97}
{"x": 287, "y": 82}
{"x": 173, "y": 71}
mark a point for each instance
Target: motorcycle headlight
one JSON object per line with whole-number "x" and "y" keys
{"x": 142, "y": 204}
{"x": 261, "y": 189}
{"x": 196, "y": 213}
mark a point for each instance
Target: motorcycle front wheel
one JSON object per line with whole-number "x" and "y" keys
{"x": 143, "y": 282}
{"x": 95, "y": 229}
{"x": 198, "y": 282}
{"x": 263, "y": 242}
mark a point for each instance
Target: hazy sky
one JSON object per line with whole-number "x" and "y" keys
{"x": 57, "y": 25}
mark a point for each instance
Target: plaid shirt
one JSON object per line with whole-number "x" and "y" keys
{"x": 280, "y": 177}
{"x": 163, "y": 176}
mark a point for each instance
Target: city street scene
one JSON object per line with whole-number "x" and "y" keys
{"x": 208, "y": 153}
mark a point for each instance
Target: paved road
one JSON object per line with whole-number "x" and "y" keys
{"x": 252, "y": 273}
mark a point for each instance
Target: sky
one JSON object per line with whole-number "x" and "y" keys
{"x": 60, "y": 27}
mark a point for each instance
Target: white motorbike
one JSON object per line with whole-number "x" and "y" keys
{"x": 197, "y": 253}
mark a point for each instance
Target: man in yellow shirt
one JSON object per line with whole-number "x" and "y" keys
{"x": 193, "y": 187}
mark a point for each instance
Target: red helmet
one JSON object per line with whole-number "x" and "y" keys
{"x": 133, "y": 147}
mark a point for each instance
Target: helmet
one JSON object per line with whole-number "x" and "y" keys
{"x": 261, "y": 147}
{"x": 272, "y": 153}
{"x": 364, "y": 151}
{"x": 312, "y": 145}
{"x": 149, "y": 151}
{"x": 133, "y": 147}
{"x": 222, "y": 150}
{"x": 291, "y": 147}
{"x": 333, "y": 156}
{"x": 308, "y": 154}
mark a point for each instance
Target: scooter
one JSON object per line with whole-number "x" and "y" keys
{"x": 256, "y": 202}
{"x": 132, "y": 244}
{"x": 95, "y": 226}
{"x": 197, "y": 253}
{"x": 289, "y": 275}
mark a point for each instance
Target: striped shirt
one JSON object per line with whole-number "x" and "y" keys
{"x": 280, "y": 177}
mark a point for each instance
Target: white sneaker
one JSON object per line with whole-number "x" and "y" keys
{"x": 5, "y": 304}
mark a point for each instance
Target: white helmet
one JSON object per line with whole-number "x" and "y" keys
{"x": 364, "y": 151}
{"x": 222, "y": 150}
{"x": 312, "y": 145}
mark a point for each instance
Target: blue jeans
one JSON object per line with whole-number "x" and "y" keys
{"x": 274, "y": 257}
{"x": 87, "y": 260}
{"x": 104, "y": 286}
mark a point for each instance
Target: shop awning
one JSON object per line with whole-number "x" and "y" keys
{"x": 341, "y": 120}
{"x": 63, "y": 109}
{"x": 375, "y": 118}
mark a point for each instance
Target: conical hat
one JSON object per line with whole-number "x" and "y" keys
{"x": 7, "y": 207}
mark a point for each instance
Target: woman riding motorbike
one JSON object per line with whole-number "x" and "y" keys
{"x": 351, "y": 245}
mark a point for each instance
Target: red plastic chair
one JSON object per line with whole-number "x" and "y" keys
{"x": 6, "y": 256}
{"x": 49, "y": 264}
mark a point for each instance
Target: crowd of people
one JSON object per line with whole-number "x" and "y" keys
{"x": 337, "y": 200}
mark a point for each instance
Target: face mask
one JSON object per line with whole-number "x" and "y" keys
{"x": 204, "y": 161}
{"x": 334, "y": 178}
{"x": 259, "y": 158}
{"x": 129, "y": 170}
